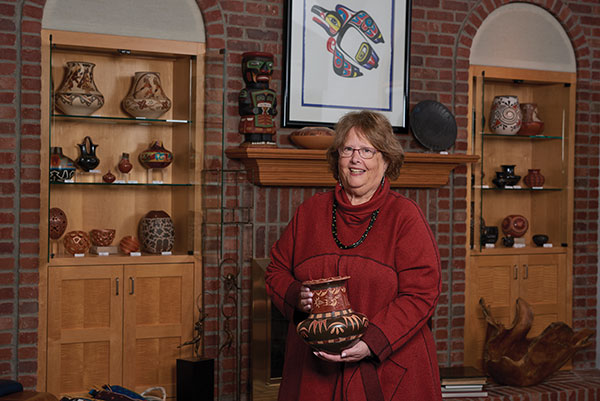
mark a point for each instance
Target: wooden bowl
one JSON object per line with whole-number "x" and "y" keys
{"x": 313, "y": 137}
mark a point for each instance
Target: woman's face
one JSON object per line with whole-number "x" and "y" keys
{"x": 360, "y": 177}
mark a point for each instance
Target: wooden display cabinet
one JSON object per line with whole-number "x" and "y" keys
{"x": 499, "y": 274}
{"x": 94, "y": 328}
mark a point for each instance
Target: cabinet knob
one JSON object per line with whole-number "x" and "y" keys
{"x": 516, "y": 272}
{"x": 132, "y": 289}
{"x": 117, "y": 286}
{"x": 526, "y": 272}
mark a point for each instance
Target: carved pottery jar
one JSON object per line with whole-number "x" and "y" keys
{"x": 62, "y": 168}
{"x": 77, "y": 242}
{"x": 102, "y": 237}
{"x": 505, "y": 115}
{"x": 146, "y": 97}
{"x": 109, "y": 177}
{"x": 156, "y": 232}
{"x": 78, "y": 94}
{"x": 332, "y": 325}
{"x": 534, "y": 178}
{"x": 87, "y": 159}
{"x": 129, "y": 244}
{"x": 57, "y": 223}
{"x": 156, "y": 156}
{"x": 515, "y": 225}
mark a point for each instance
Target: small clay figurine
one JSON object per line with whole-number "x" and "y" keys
{"x": 257, "y": 103}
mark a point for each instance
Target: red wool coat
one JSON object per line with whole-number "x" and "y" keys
{"x": 395, "y": 281}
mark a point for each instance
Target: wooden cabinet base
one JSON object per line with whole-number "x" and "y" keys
{"x": 195, "y": 379}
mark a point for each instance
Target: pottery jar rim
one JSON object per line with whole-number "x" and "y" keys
{"x": 327, "y": 280}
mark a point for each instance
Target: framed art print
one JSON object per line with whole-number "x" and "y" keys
{"x": 346, "y": 55}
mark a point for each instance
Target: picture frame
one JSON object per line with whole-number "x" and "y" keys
{"x": 344, "y": 56}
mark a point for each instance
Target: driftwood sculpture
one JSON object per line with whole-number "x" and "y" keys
{"x": 513, "y": 359}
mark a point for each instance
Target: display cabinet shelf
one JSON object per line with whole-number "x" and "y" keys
{"x": 142, "y": 305}
{"x": 122, "y": 120}
{"x": 500, "y": 274}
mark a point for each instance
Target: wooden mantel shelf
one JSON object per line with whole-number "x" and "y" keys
{"x": 309, "y": 168}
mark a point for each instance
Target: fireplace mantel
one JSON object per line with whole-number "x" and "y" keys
{"x": 309, "y": 168}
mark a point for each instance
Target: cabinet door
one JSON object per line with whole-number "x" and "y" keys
{"x": 543, "y": 286}
{"x": 158, "y": 317}
{"x": 495, "y": 279}
{"x": 84, "y": 328}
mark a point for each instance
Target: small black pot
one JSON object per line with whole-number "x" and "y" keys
{"x": 540, "y": 239}
{"x": 508, "y": 241}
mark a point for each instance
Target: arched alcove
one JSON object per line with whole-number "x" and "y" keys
{"x": 523, "y": 35}
{"x": 157, "y": 19}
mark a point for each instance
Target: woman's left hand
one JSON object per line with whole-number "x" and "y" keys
{"x": 356, "y": 353}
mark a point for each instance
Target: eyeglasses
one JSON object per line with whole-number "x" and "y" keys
{"x": 365, "y": 153}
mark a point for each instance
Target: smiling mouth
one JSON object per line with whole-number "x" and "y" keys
{"x": 355, "y": 170}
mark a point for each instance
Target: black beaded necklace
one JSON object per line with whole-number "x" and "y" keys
{"x": 334, "y": 228}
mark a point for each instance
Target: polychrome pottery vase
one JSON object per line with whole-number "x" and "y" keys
{"x": 505, "y": 115}
{"x": 62, "y": 168}
{"x": 78, "y": 94}
{"x": 156, "y": 156}
{"x": 156, "y": 232}
{"x": 57, "y": 223}
{"x": 332, "y": 325}
{"x": 146, "y": 97}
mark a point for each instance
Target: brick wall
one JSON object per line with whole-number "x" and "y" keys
{"x": 442, "y": 31}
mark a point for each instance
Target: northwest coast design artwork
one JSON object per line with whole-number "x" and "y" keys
{"x": 349, "y": 35}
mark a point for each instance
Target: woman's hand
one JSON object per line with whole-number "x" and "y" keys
{"x": 356, "y": 353}
{"x": 305, "y": 299}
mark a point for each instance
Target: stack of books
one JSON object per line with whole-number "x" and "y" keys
{"x": 462, "y": 381}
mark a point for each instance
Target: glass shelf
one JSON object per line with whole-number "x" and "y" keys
{"x": 121, "y": 120}
{"x": 116, "y": 184}
{"x": 517, "y": 137}
{"x": 541, "y": 189}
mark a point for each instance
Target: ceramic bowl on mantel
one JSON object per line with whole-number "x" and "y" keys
{"x": 313, "y": 137}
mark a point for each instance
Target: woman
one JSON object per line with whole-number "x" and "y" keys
{"x": 364, "y": 230}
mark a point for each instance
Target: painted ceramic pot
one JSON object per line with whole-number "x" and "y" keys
{"x": 125, "y": 165}
{"x": 77, "y": 242}
{"x": 534, "y": 178}
{"x": 515, "y": 225}
{"x": 87, "y": 160}
{"x": 62, "y": 168}
{"x": 146, "y": 97}
{"x": 156, "y": 232}
{"x": 102, "y": 237}
{"x": 78, "y": 94}
{"x": 156, "y": 156}
{"x": 129, "y": 244}
{"x": 505, "y": 115}
{"x": 57, "y": 223}
{"x": 531, "y": 124}
{"x": 332, "y": 325}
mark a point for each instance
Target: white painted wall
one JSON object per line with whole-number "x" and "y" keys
{"x": 157, "y": 19}
{"x": 521, "y": 35}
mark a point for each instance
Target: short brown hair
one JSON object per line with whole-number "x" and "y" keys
{"x": 376, "y": 128}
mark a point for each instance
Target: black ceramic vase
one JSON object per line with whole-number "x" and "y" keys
{"x": 87, "y": 160}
